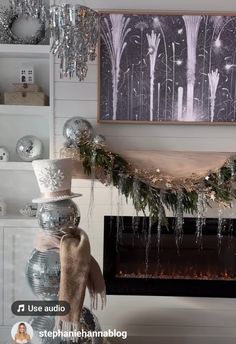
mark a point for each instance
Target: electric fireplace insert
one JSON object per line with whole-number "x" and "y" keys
{"x": 133, "y": 265}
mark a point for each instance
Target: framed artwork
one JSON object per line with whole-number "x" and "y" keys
{"x": 171, "y": 68}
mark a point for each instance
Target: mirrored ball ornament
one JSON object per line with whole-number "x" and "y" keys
{"x": 99, "y": 140}
{"x": 29, "y": 148}
{"x": 43, "y": 273}
{"x": 43, "y": 323}
{"x": 76, "y": 128}
{"x": 58, "y": 217}
{"x": 89, "y": 322}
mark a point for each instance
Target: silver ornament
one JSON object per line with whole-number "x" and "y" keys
{"x": 58, "y": 217}
{"x": 43, "y": 273}
{"x": 74, "y": 30}
{"x": 76, "y": 128}
{"x": 99, "y": 140}
{"x": 43, "y": 323}
{"x": 89, "y": 322}
{"x": 29, "y": 148}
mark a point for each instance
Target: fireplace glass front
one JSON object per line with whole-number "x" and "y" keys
{"x": 134, "y": 266}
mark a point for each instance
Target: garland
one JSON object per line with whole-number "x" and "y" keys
{"x": 111, "y": 169}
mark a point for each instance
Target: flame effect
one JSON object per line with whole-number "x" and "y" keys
{"x": 190, "y": 272}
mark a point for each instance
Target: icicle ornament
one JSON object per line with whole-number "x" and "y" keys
{"x": 179, "y": 234}
{"x": 93, "y": 176}
{"x": 148, "y": 244}
{"x": 120, "y": 220}
{"x": 159, "y": 223}
{"x": 220, "y": 229}
{"x": 200, "y": 221}
{"x": 74, "y": 30}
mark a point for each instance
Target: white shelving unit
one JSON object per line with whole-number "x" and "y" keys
{"x": 16, "y": 110}
{"x": 16, "y": 166}
{"x": 18, "y": 221}
{"x": 24, "y": 50}
{"x": 17, "y": 181}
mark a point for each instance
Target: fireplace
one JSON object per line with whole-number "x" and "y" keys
{"x": 133, "y": 266}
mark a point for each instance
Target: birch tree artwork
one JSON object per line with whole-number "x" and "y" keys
{"x": 153, "y": 43}
{"x": 167, "y": 68}
{"x": 192, "y": 24}
{"x": 114, "y": 36}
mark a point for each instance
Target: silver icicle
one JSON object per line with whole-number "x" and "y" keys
{"x": 179, "y": 234}
{"x": 201, "y": 221}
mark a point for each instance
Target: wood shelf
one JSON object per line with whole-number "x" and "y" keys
{"x": 16, "y": 166}
{"x": 24, "y": 50}
{"x": 26, "y": 110}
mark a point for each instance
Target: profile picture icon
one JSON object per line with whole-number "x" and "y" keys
{"x": 22, "y": 333}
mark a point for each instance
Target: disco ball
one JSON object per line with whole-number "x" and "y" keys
{"x": 76, "y": 128}
{"x": 43, "y": 323}
{"x": 43, "y": 273}
{"x": 89, "y": 322}
{"x": 29, "y": 148}
{"x": 58, "y": 217}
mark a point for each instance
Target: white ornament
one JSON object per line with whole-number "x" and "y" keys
{"x": 213, "y": 197}
{"x": 3, "y": 207}
{"x": 4, "y": 154}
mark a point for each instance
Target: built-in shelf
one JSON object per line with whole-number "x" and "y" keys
{"x": 18, "y": 221}
{"x": 26, "y": 110}
{"x": 16, "y": 166}
{"x": 24, "y": 50}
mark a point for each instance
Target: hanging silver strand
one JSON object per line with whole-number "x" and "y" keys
{"x": 179, "y": 220}
{"x": 200, "y": 221}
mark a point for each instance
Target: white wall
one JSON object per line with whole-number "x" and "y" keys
{"x": 171, "y": 319}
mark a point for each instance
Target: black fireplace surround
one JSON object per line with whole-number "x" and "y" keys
{"x": 134, "y": 267}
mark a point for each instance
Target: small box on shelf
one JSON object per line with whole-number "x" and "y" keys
{"x": 26, "y": 98}
{"x": 26, "y": 87}
{"x": 26, "y": 94}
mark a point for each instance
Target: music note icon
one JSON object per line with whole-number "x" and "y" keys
{"x": 21, "y": 308}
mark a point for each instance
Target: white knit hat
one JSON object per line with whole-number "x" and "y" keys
{"x": 54, "y": 180}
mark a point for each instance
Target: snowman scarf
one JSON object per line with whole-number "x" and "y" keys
{"x": 78, "y": 270}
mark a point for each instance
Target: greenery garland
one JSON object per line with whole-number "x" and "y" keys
{"x": 110, "y": 168}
